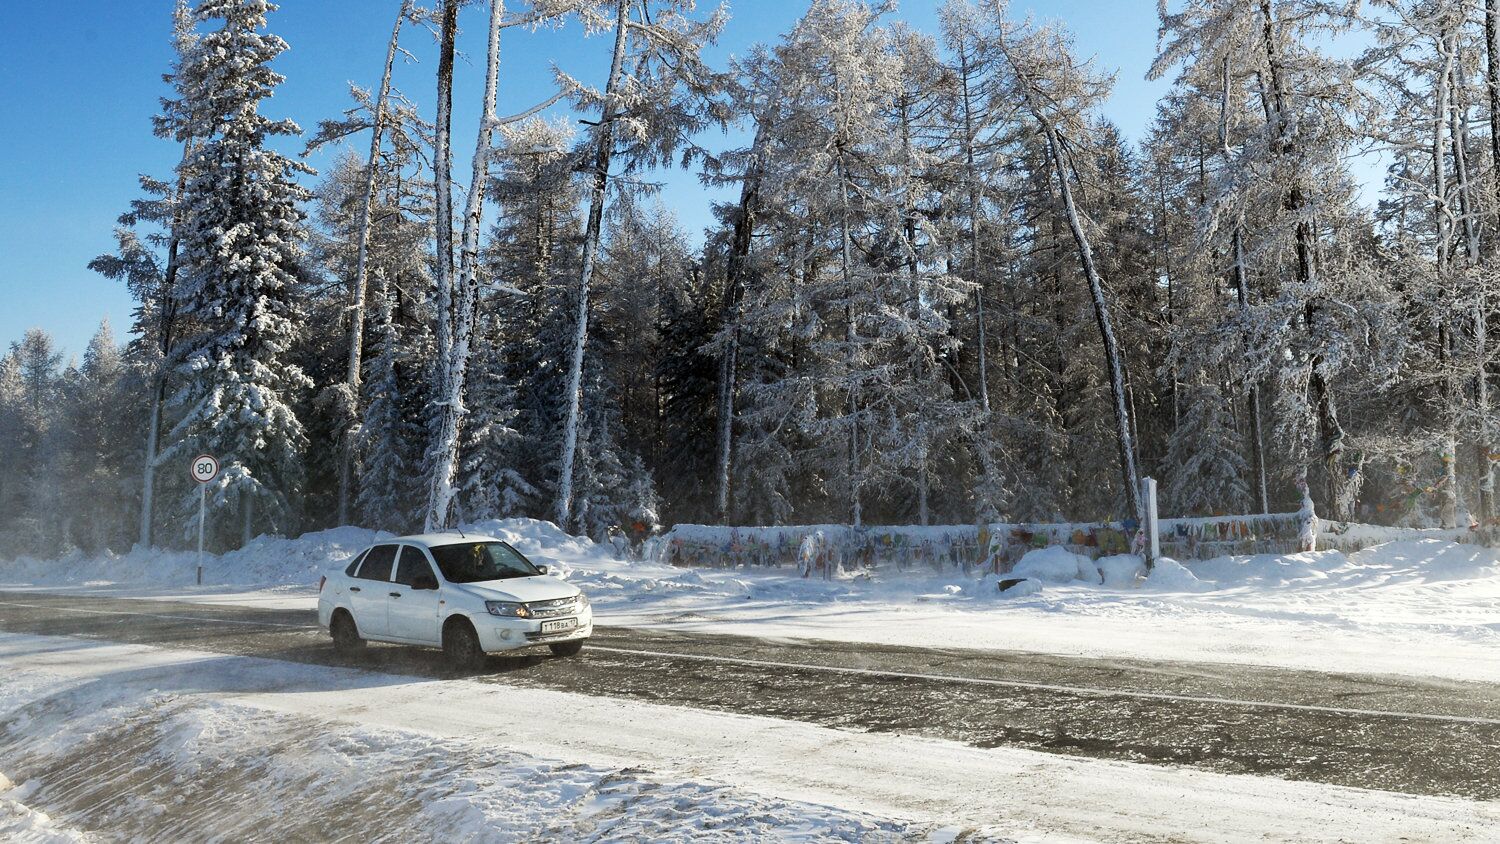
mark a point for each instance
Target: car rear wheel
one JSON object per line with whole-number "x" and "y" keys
{"x": 572, "y": 648}
{"x": 461, "y": 645}
{"x": 345, "y": 633}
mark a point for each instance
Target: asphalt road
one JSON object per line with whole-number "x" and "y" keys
{"x": 1393, "y": 733}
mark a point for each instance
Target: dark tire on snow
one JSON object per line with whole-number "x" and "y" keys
{"x": 345, "y": 634}
{"x": 573, "y": 648}
{"x": 461, "y": 645}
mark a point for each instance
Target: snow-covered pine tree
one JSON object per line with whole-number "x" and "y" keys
{"x": 391, "y": 436}
{"x": 99, "y": 448}
{"x": 534, "y": 248}
{"x": 1422, "y": 68}
{"x": 688, "y": 471}
{"x": 240, "y": 253}
{"x": 1206, "y": 471}
{"x": 647, "y": 263}
{"x": 489, "y": 483}
{"x": 31, "y": 384}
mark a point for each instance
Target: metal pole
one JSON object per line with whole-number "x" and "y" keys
{"x": 202, "y": 499}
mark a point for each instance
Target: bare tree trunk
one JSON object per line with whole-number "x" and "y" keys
{"x": 1442, "y": 220}
{"x": 1486, "y": 443}
{"x": 1257, "y": 440}
{"x": 1458, "y": 137}
{"x": 909, "y": 220}
{"x": 597, "y": 196}
{"x": 1341, "y": 487}
{"x": 167, "y": 302}
{"x": 361, "y": 273}
{"x": 851, "y": 337}
{"x": 1101, "y": 314}
{"x": 464, "y": 299}
{"x": 971, "y": 176}
{"x": 738, "y": 269}
{"x": 1242, "y": 294}
{"x": 442, "y": 177}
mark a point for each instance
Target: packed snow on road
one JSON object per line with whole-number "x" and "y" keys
{"x": 158, "y": 742}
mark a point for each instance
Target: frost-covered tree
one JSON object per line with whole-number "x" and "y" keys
{"x": 240, "y": 255}
{"x": 31, "y": 433}
{"x": 97, "y": 444}
{"x": 657, "y": 96}
{"x": 1206, "y": 472}
{"x": 1280, "y": 220}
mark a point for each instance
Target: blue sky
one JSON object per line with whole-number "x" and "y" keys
{"x": 84, "y": 78}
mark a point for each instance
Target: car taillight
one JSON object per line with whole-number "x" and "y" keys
{"x": 322, "y": 580}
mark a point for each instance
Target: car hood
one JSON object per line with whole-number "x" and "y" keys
{"x": 536, "y": 588}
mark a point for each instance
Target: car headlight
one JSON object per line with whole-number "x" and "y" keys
{"x": 583, "y": 601}
{"x": 507, "y": 609}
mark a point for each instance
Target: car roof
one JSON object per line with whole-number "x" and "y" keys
{"x": 433, "y": 540}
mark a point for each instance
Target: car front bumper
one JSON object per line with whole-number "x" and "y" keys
{"x": 509, "y": 634}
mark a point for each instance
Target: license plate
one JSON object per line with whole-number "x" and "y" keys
{"x": 559, "y": 625}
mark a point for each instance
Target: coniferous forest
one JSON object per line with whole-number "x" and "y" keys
{"x": 943, "y": 287}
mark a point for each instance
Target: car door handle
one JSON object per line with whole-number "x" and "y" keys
{"x": 353, "y": 588}
{"x": 395, "y": 594}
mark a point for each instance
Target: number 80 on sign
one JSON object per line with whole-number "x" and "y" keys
{"x": 204, "y": 468}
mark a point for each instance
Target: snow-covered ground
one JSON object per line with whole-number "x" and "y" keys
{"x": 1426, "y": 607}
{"x": 143, "y": 741}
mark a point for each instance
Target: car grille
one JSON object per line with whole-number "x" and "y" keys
{"x": 554, "y": 608}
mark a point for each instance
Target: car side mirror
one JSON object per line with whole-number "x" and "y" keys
{"x": 424, "y": 583}
{"x": 541, "y": 569}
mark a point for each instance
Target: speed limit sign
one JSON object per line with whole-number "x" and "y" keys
{"x": 204, "y": 468}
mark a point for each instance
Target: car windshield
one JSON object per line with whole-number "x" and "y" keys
{"x": 472, "y": 562}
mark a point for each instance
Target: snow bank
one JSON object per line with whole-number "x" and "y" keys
{"x": 26, "y": 826}
{"x": 223, "y": 763}
{"x": 1055, "y": 564}
{"x": 267, "y": 561}
{"x": 1121, "y": 571}
{"x": 1168, "y": 575}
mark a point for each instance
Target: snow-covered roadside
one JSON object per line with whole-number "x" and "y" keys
{"x": 204, "y": 736}
{"x": 175, "y": 752}
{"x": 1420, "y": 608}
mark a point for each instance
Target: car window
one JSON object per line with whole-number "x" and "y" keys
{"x": 377, "y": 565}
{"x": 474, "y": 562}
{"x": 413, "y": 564}
{"x": 354, "y": 566}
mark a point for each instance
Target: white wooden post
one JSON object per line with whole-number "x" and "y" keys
{"x": 1149, "y": 523}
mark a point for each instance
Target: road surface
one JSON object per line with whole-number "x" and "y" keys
{"x": 1427, "y": 737}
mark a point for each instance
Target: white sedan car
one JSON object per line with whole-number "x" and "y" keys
{"x": 469, "y": 595}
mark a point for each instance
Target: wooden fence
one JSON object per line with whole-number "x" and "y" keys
{"x": 997, "y": 547}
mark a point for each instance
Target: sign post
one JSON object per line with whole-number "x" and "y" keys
{"x": 204, "y": 469}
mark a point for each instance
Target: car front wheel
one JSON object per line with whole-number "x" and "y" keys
{"x": 572, "y": 648}
{"x": 461, "y": 645}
